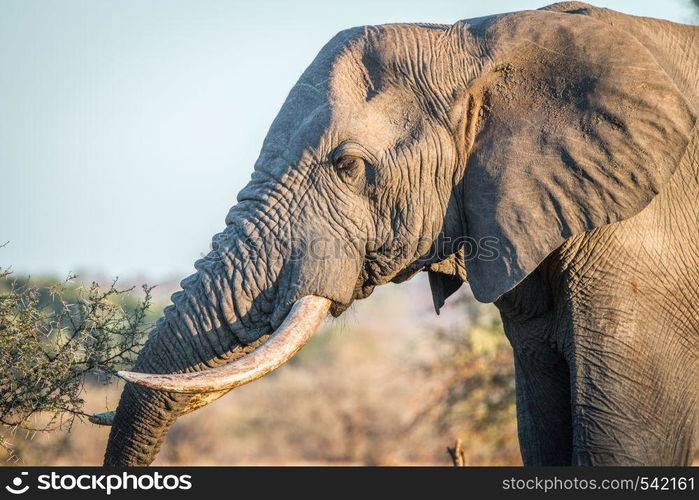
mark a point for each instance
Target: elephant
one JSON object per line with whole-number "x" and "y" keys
{"x": 549, "y": 158}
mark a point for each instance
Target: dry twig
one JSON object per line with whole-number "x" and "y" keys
{"x": 457, "y": 454}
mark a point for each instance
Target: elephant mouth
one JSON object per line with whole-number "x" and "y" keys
{"x": 295, "y": 331}
{"x": 363, "y": 288}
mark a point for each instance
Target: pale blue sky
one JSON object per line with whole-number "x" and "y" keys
{"x": 128, "y": 127}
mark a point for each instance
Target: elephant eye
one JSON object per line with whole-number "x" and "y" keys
{"x": 348, "y": 165}
{"x": 351, "y": 163}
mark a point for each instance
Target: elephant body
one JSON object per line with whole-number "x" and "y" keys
{"x": 561, "y": 140}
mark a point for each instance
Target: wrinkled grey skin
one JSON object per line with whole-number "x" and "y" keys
{"x": 568, "y": 134}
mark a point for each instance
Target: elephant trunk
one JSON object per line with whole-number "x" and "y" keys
{"x": 140, "y": 423}
{"x": 220, "y": 314}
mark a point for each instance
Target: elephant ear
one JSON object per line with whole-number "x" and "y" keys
{"x": 579, "y": 127}
{"x": 446, "y": 277}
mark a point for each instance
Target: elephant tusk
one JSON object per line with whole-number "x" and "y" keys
{"x": 106, "y": 418}
{"x": 297, "y": 329}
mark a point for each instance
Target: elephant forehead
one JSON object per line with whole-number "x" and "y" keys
{"x": 361, "y": 87}
{"x": 311, "y": 126}
{"x": 378, "y": 123}
{"x": 385, "y": 57}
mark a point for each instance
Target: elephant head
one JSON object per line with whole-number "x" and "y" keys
{"x": 403, "y": 148}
